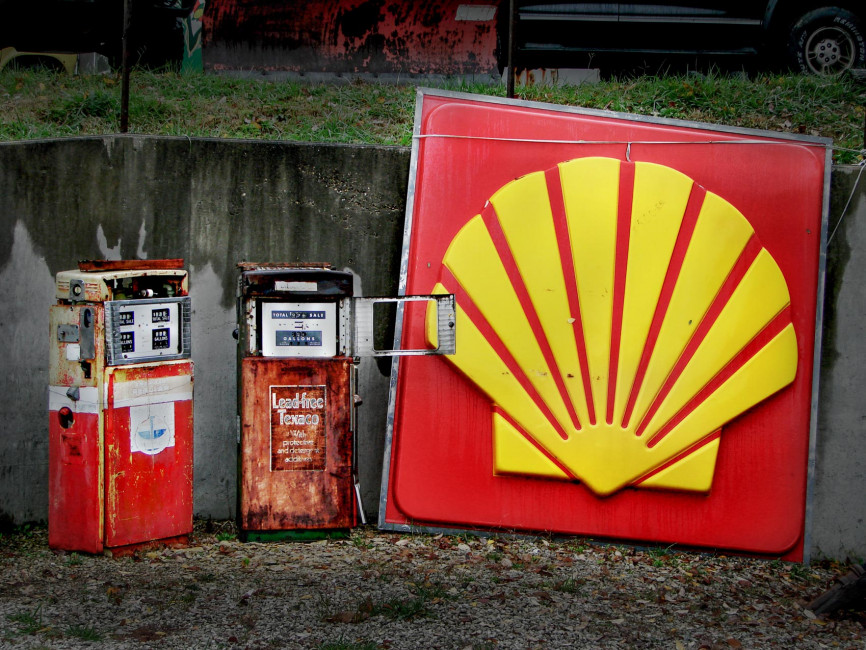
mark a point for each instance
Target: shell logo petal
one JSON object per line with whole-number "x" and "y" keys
{"x": 616, "y": 315}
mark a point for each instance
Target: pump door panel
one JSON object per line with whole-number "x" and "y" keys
{"x": 148, "y": 442}
{"x": 296, "y": 456}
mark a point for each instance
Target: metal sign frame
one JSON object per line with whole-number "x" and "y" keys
{"x": 741, "y": 136}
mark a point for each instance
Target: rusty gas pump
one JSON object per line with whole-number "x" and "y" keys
{"x": 301, "y": 333}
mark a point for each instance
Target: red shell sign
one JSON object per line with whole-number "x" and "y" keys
{"x": 636, "y": 309}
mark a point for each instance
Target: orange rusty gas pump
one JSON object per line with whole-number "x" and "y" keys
{"x": 301, "y": 333}
{"x": 120, "y": 406}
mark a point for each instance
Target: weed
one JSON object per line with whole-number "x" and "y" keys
{"x": 24, "y": 530}
{"x": 226, "y": 537}
{"x": 29, "y": 622}
{"x": 188, "y": 598}
{"x": 74, "y": 111}
{"x": 799, "y": 572}
{"x": 402, "y": 609}
{"x": 83, "y": 633}
{"x": 577, "y": 547}
{"x": 73, "y": 559}
{"x": 361, "y": 541}
{"x": 568, "y": 586}
{"x": 342, "y": 644}
{"x": 323, "y": 607}
{"x": 663, "y": 556}
{"x": 430, "y": 591}
{"x": 463, "y": 538}
{"x": 387, "y": 574}
{"x": 424, "y": 595}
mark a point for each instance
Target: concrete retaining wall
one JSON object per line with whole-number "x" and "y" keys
{"x": 215, "y": 203}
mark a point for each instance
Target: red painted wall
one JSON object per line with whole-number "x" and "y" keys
{"x": 350, "y": 36}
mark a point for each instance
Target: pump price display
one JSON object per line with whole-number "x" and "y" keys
{"x": 161, "y": 339}
{"x": 297, "y": 427}
{"x": 148, "y": 330}
{"x": 302, "y": 329}
{"x": 160, "y": 316}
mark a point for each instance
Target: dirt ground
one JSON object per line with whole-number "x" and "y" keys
{"x": 385, "y": 590}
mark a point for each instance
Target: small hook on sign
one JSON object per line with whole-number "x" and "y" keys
{"x": 628, "y": 152}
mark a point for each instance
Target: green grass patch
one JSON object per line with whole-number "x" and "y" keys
{"x": 401, "y": 609}
{"x": 342, "y": 644}
{"x": 41, "y": 104}
{"x": 83, "y": 633}
{"x": 28, "y": 622}
{"x": 569, "y": 586}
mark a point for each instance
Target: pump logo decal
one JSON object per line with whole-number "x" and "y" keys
{"x": 616, "y": 315}
{"x": 151, "y": 428}
{"x": 297, "y": 427}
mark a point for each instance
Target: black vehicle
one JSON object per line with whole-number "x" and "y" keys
{"x": 809, "y": 35}
{"x": 95, "y": 26}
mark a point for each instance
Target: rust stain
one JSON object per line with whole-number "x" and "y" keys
{"x": 300, "y": 498}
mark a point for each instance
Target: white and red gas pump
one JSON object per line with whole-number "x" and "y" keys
{"x": 120, "y": 406}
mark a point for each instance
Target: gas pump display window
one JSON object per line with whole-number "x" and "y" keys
{"x": 299, "y": 329}
{"x": 139, "y": 330}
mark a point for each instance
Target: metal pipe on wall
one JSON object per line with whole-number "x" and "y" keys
{"x": 124, "y": 86}
{"x": 509, "y": 84}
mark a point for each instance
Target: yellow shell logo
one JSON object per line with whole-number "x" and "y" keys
{"x": 616, "y": 315}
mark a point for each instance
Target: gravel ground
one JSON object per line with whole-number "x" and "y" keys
{"x": 383, "y": 590}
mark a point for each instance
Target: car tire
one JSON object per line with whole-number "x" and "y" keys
{"x": 827, "y": 41}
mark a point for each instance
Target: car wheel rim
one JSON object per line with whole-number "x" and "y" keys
{"x": 829, "y": 50}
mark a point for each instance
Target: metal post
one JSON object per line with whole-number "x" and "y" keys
{"x": 509, "y": 84}
{"x": 124, "y": 84}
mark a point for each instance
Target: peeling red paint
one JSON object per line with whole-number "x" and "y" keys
{"x": 147, "y": 497}
{"x": 349, "y": 36}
